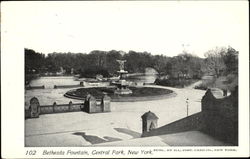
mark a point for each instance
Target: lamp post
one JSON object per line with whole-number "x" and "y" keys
{"x": 187, "y": 105}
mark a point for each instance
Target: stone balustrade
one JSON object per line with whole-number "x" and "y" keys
{"x": 90, "y": 105}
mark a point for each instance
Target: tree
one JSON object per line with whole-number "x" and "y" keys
{"x": 137, "y": 62}
{"x": 98, "y": 58}
{"x": 231, "y": 60}
{"x": 214, "y": 61}
{"x": 112, "y": 65}
{"x": 162, "y": 64}
{"x": 33, "y": 61}
{"x": 222, "y": 61}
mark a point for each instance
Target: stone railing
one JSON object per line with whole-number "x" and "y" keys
{"x": 90, "y": 105}
{"x": 28, "y": 87}
{"x": 61, "y": 108}
{"x": 66, "y": 86}
{"x": 34, "y": 87}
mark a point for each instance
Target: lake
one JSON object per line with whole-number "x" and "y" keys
{"x": 142, "y": 78}
{"x": 49, "y": 82}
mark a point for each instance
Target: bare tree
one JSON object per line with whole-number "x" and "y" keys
{"x": 214, "y": 61}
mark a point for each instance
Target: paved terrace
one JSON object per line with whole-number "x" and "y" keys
{"x": 122, "y": 126}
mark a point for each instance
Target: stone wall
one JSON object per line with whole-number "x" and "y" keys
{"x": 97, "y": 84}
{"x": 220, "y": 116}
{"x": 189, "y": 123}
{"x": 66, "y": 86}
{"x": 34, "y": 87}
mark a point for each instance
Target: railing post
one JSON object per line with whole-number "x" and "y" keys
{"x": 105, "y": 103}
{"x": 70, "y": 106}
{"x": 81, "y": 83}
{"x": 54, "y": 107}
{"x": 92, "y": 104}
{"x": 34, "y": 108}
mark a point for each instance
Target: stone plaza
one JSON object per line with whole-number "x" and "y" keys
{"x": 121, "y": 126}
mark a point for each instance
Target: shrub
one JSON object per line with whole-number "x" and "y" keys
{"x": 174, "y": 82}
{"x": 92, "y": 72}
{"x": 201, "y": 86}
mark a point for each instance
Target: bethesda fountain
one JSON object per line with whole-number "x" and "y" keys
{"x": 122, "y": 84}
{"x": 121, "y": 91}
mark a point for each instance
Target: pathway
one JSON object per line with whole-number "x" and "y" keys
{"x": 194, "y": 84}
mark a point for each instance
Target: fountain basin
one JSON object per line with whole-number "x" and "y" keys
{"x": 138, "y": 93}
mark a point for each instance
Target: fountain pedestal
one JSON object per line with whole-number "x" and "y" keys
{"x": 122, "y": 87}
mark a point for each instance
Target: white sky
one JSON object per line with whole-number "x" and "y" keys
{"x": 156, "y": 27}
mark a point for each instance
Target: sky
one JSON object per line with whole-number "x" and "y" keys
{"x": 157, "y": 27}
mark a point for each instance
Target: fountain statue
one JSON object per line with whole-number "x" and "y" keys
{"x": 121, "y": 62}
{"x": 122, "y": 84}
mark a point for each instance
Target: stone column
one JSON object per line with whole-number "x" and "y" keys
{"x": 92, "y": 104}
{"x": 81, "y": 83}
{"x": 34, "y": 108}
{"x": 106, "y": 103}
{"x": 54, "y": 107}
{"x": 70, "y": 106}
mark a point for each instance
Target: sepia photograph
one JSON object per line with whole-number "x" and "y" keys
{"x": 127, "y": 74}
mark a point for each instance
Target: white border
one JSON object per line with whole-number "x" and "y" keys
{"x": 12, "y": 114}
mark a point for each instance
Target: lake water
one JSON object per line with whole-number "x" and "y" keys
{"x": 142, "y": 78}
{"x": 49, "y": 82}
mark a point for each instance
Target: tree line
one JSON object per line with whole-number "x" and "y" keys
{"x": 217, "y": 61}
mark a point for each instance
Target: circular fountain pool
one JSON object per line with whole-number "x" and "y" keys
{"x": 138, "y": 93}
